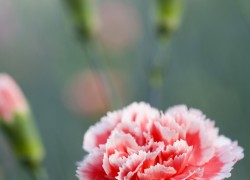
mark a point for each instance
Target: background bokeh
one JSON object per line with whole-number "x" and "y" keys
{"x": 208, "y": 67}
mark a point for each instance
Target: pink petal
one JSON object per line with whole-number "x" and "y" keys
{"x": 118, "y": 144}
{"x": 221, "y": 164}
{"x": 141, "y": 113}
{"x": 157, "y": 172}
{"x": 161, "y": 133}
{"x": 132, "y": 165}
{"x": 203, "y": 150}
{"x": 154, "y": 156}
{"x": 179, "y": 147}
{"x": 133, "y": 129}
{"x": 99, "y": 133}
{"x": 91, "y": 167}
{"x": 121, "y": 142}
{"x": 12, "y": 99}
{"x": 190, "y": 173}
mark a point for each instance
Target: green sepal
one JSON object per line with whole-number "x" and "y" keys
{"x": 23, "y": 136}
{"x": 84, "y": 16}
{"x": 168, "y": 16}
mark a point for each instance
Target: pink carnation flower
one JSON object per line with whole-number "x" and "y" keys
{"x": 139, "y": 142}
{"x": 11, "y": 98}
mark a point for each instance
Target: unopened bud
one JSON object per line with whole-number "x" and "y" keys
{"x": 12, "y": 100}
{"x": 168, "y": 16}
{"x": 17, "y": 124}
{"x": 84, "y": 16}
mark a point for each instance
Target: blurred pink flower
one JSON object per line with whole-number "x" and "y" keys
{"x": 87, "y": 94}
{"x": 139, "y": 142}
{"x": 119, "y": 24}
{"x": 12, "y": 99}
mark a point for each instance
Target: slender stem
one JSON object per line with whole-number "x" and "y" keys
{"x": 153, "y": 64}
{"x": 148, "y": 50}
{"x": 39, "y": 173}
{"x": 96, "y": 63}
{"x": 93, "y": 65}
{"x": 156, "y": 62}
{"x": 104, "y": 61}
{"x": 158, "y": 73}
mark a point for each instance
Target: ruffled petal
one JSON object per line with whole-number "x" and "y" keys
{"x": 98, "y": 134}
{"x": 91, "y": 167}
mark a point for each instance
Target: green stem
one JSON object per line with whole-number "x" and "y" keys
{"x": 96, "y": 63}
{"x": 39, "y": 173}
{"x": 156, "y": 65}
{"x": 148, "y": 52}
{"x": 158, "y": 73}
{"x": 107, "y": 66}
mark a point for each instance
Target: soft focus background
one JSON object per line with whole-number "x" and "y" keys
{"x": 207, "y": 66}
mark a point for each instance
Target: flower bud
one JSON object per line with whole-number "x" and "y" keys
{"x": 17, "y": 124}
{"x": 168, "y": 16}
{"x": 84, "y": 16}
{"x": 12, "y": 100}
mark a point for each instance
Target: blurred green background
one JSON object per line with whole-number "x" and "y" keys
{"x": 208, "y": 68}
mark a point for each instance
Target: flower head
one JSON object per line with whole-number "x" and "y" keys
{"x": 11, "y": 98}
{"x": 139, "y": 142}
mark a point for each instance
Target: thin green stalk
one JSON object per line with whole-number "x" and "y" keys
{"x": 158, "y": 73}
{"x": 156, "y": 61}
{"x": 150, "y": 60}
{"x": 97, "y": 63}
{"x": 148, "y": 50}
{"x": 39, "y": 173}
{"x": 104, "y": 61}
